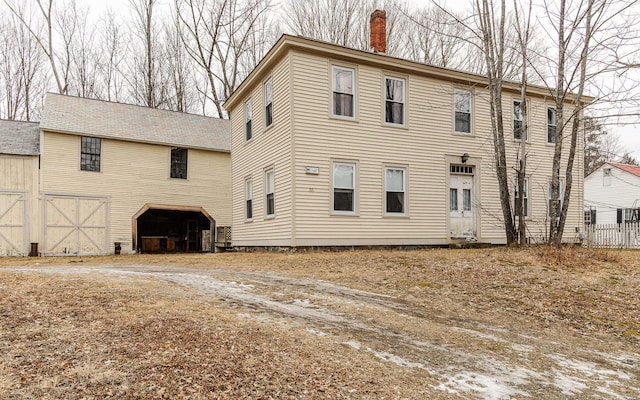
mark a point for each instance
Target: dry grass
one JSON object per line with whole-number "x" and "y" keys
{"x": 73, "y": 337}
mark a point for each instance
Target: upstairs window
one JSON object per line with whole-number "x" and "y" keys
{"x": 551, "y": 125}
{"x": 344, "y": 178}
{"x": 394, "y": 190}
{"x": 90, "y": 150}
{"x": 248, "y": 196}
{"x": 516, "y": 197}
{"x": 517, "y": 120}
{"x": 343, "y": 85}
{"x": 179, "y": 163}
{"x": 462, "y": 105}
{"x": 268, "y": 112}
{"x": 248, "y": 118}
{"x": 394, "y": 101}
{"x": 269, "y": 188}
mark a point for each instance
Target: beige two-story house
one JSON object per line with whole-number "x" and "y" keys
{"x": 333, "y": 146}
{"x": 119, "y": 177}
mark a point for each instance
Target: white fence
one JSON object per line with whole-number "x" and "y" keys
{"x": 624, "y": 236}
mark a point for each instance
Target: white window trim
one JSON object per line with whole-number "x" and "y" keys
{"x": 548, "y": 125}
{"x": 266, "y": 193}
{"x": 526, "y": 196}
{"x": 468, "y": 91}
{"x": 561, "y": 191}
{"x": 264, "y": 92}
{"x": 248, "y": 105}
{"x": 355, "y": 211}
{"x": 522, "y": 120}
{"x": 355, "y": 91}
{"x": 404, "y": 101}
{"x": 404, "y": 187}
{"x": 248, "y": 184}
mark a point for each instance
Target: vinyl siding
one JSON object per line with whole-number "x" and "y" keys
{"x": 269, "y": 147}
{"x": 134, "y": 174}
{"x": 425, "y": 146}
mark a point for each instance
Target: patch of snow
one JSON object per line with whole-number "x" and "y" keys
{"x": 570, "y": 385}
{"x": 353, "y": 344}
{"x": 384, "y": 356}
{"x": 302, "y": 302}
{"x": 522, "y": 348}
{"x": 315, "y": 332}
{"x": 490, "y": 387}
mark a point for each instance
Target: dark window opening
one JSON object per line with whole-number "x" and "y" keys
{"x": 90, "y": 153}
{"x": 179, "y": 163}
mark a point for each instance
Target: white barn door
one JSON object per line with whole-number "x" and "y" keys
{"x": 75, "y": 225}
{"x": 14, "y": 233}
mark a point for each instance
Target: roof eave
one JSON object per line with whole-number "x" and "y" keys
{"x": 287, "y": 42}
{"x": 183, "y": 145}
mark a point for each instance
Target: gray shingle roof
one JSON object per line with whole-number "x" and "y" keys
{"x": 18, "y": 137}
{"x": 78, "y": 116}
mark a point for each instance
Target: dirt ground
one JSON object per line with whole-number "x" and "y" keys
{"x": 486, "y": 323}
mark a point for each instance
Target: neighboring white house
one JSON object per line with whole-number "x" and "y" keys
{"x": 333, "y": 146}
{"x": 19, "y": 211}
{"x": 612, "y": 194}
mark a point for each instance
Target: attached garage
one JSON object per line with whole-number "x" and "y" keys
{"x": 75, "y": 225}
{"x": 172, "y": 229}
{"x": 14, "y": 231}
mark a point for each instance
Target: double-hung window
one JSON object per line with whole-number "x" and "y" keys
{"x": 268, "y": 101}
{"x": 343, "y": 87}
{"x": 90, "y": 151}
{"x": 462, "y": 106}
{"x": 517, "y": 120}
{"x": 551, "y": 125}
{"x": 179, "y": 163}
{"x": 558, "y": 202}
{"x": 269, "y": 189}
{"x": 248, "y": 198}
{"x": 395, "y": 190}
{"x": 394, "y": 101}
{"x": 248, "y": 117}
{"x": 344, "y": 179}
{"x": 516, "y": 197}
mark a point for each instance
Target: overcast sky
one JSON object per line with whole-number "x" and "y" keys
{"x": 629, "y": 134}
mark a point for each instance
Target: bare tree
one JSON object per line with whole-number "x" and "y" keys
{"x": 523, "y": 30}
{"x": 491, "y": 22}
{"x": 55, "y": 23}
{"x": 588, "y": 37}
{"x": 145, "y": 81}
{"x": 221, "y": 37}
{"x": 114, "y": 49}
{"x": 22, "y": 73}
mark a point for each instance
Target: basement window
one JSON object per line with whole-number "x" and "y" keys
{"x": 178, "y": 163}
{"x": 90, "y": 151}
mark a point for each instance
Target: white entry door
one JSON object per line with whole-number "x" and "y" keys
{"x": 461, "y": 206}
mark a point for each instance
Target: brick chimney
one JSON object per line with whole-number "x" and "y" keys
{"x": 378, "y": 31}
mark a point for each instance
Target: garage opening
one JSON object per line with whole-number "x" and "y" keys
{"x": 177, "y": 229}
